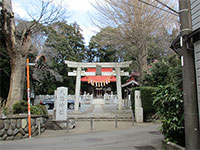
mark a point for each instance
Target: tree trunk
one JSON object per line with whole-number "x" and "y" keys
{"x": 17, "y": 52}
{"x": 142, "y": 57}
{"x": 16, "y": 80}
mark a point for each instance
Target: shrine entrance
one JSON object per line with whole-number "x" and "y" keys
{"x": 99, "y": 92}
{"x": 100, "y": 84}
{"x": 99, "y": 76}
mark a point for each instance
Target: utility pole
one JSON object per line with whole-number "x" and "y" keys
{"x": 192, "y": 133}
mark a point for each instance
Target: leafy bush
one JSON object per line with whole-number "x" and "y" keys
{"x": 35, "y": 110}
{"x": 42, "y": 109}
{"x": 169, "y": 104}
{"x": 168, "y": 98}
{"x": 147, "y": 98}
{"x": 20, "y": 107}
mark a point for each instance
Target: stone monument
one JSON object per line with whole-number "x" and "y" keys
{"x": 138, "y": 107}
{"x": 61, "y": 103}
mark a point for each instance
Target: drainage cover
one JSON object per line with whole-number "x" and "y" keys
{"x": 145, "y": 147}
{"x": 94, "y": 140}
{"x": 155, "y": 132}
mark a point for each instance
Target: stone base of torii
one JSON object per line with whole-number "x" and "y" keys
{"x": 78, "y": 73}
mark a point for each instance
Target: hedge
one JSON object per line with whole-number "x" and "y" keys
{"x": 147, "y": 98}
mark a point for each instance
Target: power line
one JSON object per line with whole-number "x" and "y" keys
{"x": 158, "y": 7}
{"x": 167, "y": 6}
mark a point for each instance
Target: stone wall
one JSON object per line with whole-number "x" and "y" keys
{"x": 16, "y": 127}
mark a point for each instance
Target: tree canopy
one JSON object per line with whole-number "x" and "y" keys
{"x": 62, "y": 42}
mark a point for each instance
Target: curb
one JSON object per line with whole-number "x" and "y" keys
{"x": 171, "y": 146}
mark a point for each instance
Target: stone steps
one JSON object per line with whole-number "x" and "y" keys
{"x": 121, "y": 119}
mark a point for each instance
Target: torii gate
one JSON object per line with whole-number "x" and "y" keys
{"x": 118, "y": 73}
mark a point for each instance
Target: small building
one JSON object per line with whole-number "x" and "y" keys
{"x": 130, "y": 83}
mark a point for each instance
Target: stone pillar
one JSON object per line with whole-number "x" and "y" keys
{"x": 119, "y": 88}
{"x": 61, "y": 103}
{"x": 78, "y": 87}
{"x": 138, "y": 107}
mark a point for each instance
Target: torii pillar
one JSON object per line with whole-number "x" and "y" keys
{"x": 119, "y": 88}
{"x": 118, "y": 73}
{"x": 78, "y": 88}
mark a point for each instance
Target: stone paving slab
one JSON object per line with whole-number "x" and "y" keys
{"x": 99, "y": 110}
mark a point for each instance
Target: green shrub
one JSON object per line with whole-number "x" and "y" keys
{"x": 43, "y": 109}
{"x": 169, "y": 104}
{"x": 20, "y": 107}
{"x": 147, "y": 98}
{"x": 38, "y": 110}
{"x": 35, "y": 110}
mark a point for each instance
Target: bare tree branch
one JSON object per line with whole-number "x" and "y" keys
{"x": 136, "y": 21}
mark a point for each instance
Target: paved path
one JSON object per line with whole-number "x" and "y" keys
{"x": 138, "y": 137}
{"x": 98, "y": 109}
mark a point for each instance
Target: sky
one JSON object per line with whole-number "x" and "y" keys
{"x": 79, "y": 11}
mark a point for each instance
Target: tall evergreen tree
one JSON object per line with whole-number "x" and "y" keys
{"x": 63, "y": 42}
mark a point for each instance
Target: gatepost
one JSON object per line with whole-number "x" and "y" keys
{"x": 138, "y": 107}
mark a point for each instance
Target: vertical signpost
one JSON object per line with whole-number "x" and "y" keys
{"x": 28, "y": 97}
{"x": 40, "y": 58}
